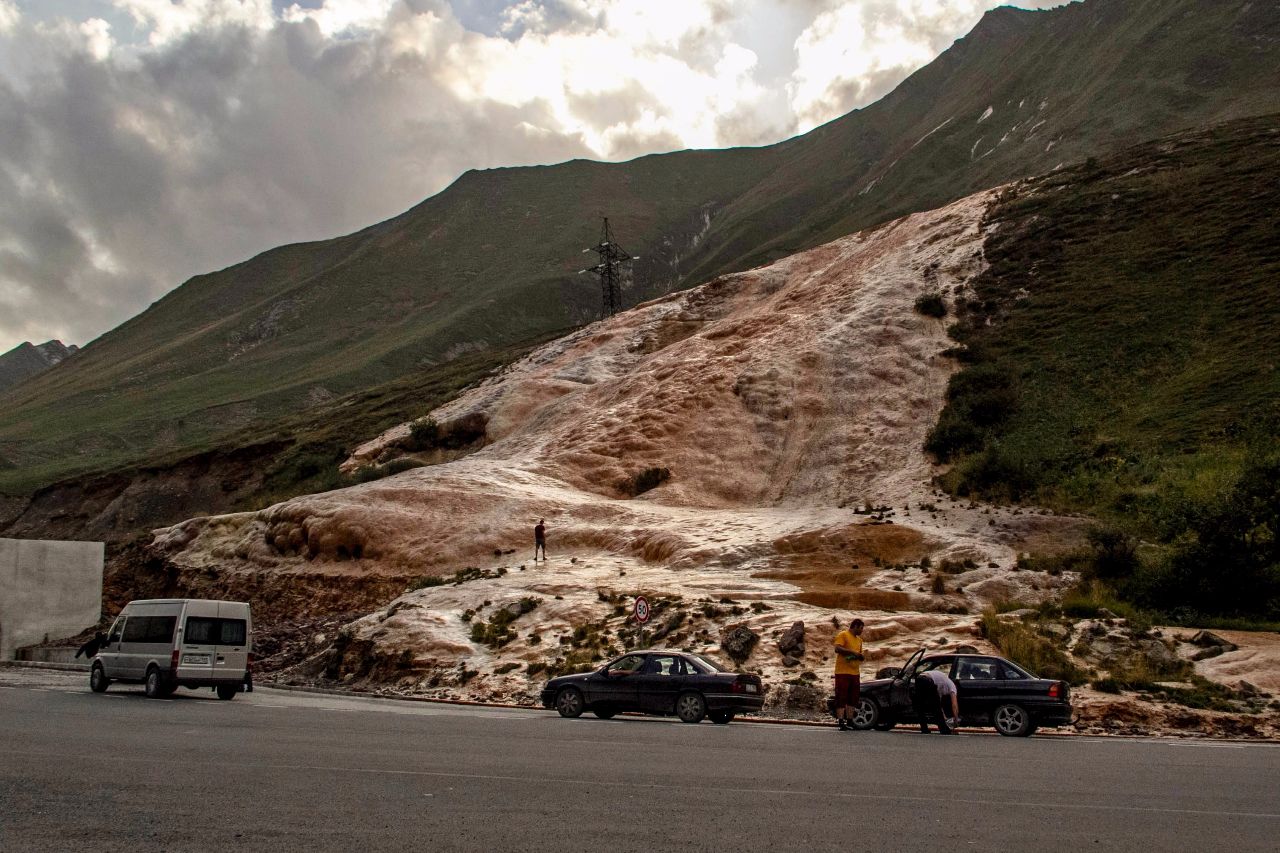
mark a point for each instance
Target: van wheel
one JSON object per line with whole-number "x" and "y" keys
{"x": 98, "y": 681}
{"x": 154, "y": 686}
{"x": 227, "y": 691}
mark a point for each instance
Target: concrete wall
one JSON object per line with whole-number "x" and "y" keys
{"x": 51, "y": 589}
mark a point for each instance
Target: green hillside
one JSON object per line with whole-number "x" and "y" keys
{"x": 1123, "y": 359}
{"x": 492, "y": 259}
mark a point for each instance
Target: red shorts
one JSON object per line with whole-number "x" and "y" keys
{"x": 848, "y": 689}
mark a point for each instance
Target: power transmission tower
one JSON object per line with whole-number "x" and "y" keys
{"x": 609, "y": 270}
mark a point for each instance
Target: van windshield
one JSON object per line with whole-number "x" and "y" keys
{"x": 211, "y": 631}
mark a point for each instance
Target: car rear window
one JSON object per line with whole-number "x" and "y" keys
{"x": 707, "y": 664}
{"x": 212, "y": 631}
{"x": 1009, "y": 672}
{"x": 149, "y": 629}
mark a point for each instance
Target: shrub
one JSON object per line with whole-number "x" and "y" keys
{"x": 1115, "y": 553}
{"x": 931, "y": 305}
{"x": 1227, "y": 563}
{"x": 1027, "y": 648}
{"x": 423, "y": 435}
{"x": 939, "y": 585}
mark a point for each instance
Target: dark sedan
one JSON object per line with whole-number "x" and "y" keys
{"x": 656, "y": 681}
{"x": 992, "y": 691}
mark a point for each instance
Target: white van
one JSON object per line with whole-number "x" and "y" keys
{"x": 167, "y": 643}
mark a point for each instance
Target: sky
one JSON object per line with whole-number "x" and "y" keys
{"x": 146, "y": 141}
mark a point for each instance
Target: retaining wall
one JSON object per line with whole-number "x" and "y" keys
{"x": 47, "y": 590}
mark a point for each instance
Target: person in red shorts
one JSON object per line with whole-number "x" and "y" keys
{"x": 849, "y": 659}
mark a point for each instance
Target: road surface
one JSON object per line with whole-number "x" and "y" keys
{"x": 280, "y": 771}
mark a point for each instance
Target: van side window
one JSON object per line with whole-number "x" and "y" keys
{"x": 200, "y": 630}
{"x": 160, "y": 629}
{"x": 150, "y": 629}
{"x": 135, "y": 629}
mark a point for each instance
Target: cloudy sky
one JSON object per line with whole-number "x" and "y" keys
{"x": 145, "y": 141}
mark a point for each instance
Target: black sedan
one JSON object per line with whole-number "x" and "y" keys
{"x": 992, "y": 691}
{"x": 656, "y": 681}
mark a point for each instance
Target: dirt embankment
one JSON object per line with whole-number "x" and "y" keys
{"x": 116, "y": 507}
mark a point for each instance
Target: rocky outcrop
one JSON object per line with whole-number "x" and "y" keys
{"x": 27, "y": 359}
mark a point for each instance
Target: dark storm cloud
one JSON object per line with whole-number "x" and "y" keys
{"x": 118, "y": 179}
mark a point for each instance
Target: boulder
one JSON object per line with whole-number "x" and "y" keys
{"x": 888, "y": 671}
{"x": 738, "y": 642}
{"x": 1016, "y": 615}
{"x": 1211, "y": 652}
{"x": 965, "y": 649}
{"x": 1207, "y": 639}
{"x": 1157, "y": 653}
{"x": 789, "y": 661}
{"x": 791, "y": 643}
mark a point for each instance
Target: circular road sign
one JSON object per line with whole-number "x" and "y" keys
{"x": 642, "y": 609}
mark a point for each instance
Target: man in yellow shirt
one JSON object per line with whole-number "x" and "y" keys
{"x": 849, "y": 659}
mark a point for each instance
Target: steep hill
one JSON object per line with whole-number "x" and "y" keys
{"x": 492, "y": 259}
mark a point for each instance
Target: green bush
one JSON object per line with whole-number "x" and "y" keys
{"x": 1025, "y": 647}
{"x": 1227, "y": 562}
{"x": 931, "y": 305}
{"x": 423, "y": 435}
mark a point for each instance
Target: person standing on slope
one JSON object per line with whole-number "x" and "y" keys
{"x": 932, "y": 689}
{"x": 849, "y": 657}
{"x": 540, "y": 540}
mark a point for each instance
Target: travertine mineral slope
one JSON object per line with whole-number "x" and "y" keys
{"x": 784, "y": 401}
{"x": 789, "y": 404}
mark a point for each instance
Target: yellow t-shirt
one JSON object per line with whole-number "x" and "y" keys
{"x": 844, "y": 666}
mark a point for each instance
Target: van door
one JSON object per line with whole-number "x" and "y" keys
{"x": 109, "y": 655}
{"x": 199, "y": 644}
{"x": 232, "y": 656}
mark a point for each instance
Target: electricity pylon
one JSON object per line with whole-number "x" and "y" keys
{"x": 609, "y": 270}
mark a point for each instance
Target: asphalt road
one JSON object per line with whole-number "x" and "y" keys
{"x": 280, "y": 771}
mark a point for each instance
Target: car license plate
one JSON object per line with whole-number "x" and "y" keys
{"x": 194, "y": 659}
{"x": 751, "y": 688}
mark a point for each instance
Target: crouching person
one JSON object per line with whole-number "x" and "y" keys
{"x": 932, "y": 690}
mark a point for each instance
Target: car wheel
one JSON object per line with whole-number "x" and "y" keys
{"x": 867, "y": 714}
{"x": 691, "y": 707}
{"x": 98, "y": 681}
{"x": 227, "y": 691}
{"x": 721, "y": 718}
{"x": 604, "y": 713}
{"x": 1012, "y": 721}
{"x": 154, "y": 685}
{"x": 569, "y": 702}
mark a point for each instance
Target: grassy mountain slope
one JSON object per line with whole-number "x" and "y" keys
{"x": 1124, "y": 356}
{"x": 492, "y": 259}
